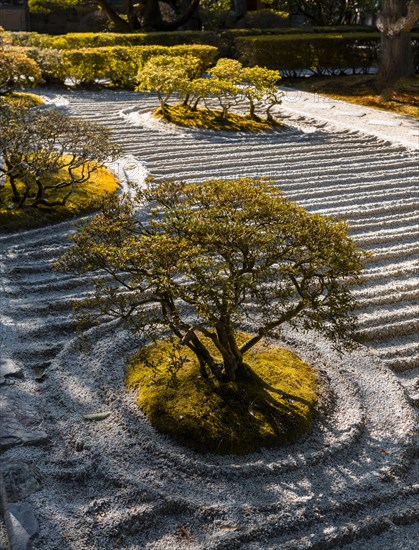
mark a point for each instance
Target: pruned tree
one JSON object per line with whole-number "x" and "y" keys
{"x": 261, "y": 84}
{"x": 201, "y": 259}
{"x": 142, "y": 15}
{"x": 167, "y": 75}
{"x": 396, "y": 20}
{"x": 45, "y": 152}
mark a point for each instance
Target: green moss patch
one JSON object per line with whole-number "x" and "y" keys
{"x": 207, "y": 119}
{"x": 87, "y": 198}
{"x": 24, "y": 99}
{"x": 273, "y": 406}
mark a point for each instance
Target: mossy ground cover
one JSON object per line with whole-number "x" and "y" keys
{"x": 362, "y": 90}
{"x": 86, "y": 199}
{"x": 207, "y": 119}
{"x": 24, "y": 99}
{"x": 272, "y": 406}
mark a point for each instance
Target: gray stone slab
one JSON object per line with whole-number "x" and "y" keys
{"x": 19, "y": 424}
{"x": 393, "y": 123}
{"x": 8, "y": 368}
{"x": 355, "y": 114}
{"x": 20, "y": 479}
{"x": 24, "y": 526}
{"x": 322, "y": 106}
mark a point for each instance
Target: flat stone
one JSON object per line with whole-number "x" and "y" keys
{"x": 19, "y": 425}
{"x": 350, "y": 113}
{"x": 8, "y": 368}
{"x": 323, "y": 106}
{"x": 384, "y": 123}
{"x": 20, "y": 479}
{"x": 24, "y": 526}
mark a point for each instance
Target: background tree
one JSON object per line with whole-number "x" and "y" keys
{"x": 45, "y": 154}
{"x": 202, "y": 259}
{"x": 331, "y": 12}
{"x": 397, "y": 18}
{"x": 142, "y": 15}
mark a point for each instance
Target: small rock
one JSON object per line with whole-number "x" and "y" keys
{"x": 79, "y": 446}
{"x": 19, "y": 425}
{"x": 20, "y": 479}
{"x": 8, "y": 369}
{"x": 24, "y": 526}
{"x": 97, "y": 416}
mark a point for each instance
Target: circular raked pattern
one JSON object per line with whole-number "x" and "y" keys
{"x": 115, "y": 483}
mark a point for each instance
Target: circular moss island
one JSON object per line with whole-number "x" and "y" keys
{"x": 207, "y": 119}
{"x": 272, "y": 406}
{"x": 86, "y": 198}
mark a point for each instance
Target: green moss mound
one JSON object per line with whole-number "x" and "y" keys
{"x": 23, "y": 99}
{"x": 273, "y": 406}
{"x": 87, "y": 198}
{"x": 207, "y": 119}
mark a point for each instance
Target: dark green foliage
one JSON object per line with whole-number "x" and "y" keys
{"x": 321, "y": 53}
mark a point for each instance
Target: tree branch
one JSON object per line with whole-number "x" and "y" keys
{"x": 114, "y": 17}
{"x": 182, "y": 19}
{"x": 402, "y": 24}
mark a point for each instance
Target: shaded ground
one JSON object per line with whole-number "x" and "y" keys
{"x": 362, "y": 90}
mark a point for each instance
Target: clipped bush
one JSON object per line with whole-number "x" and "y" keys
{"x": 321, "y": 54}
{"x": 17, "y": 70}
{"x": 263, "y": 19}
{"x": 87, "y": 65}
{"x": 75, "y": 41}
{"x": 118, "y": 64}
{"x": 52, "y": 64}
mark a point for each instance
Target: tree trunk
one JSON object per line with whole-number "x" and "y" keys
{"x": 151, "y": 18}
{"x": 120, "y": 24}
{"x": 396, "y": 20}
{"x": 132, "y": 17}
{"x": 232, "y": 356}
{"x": 251, "y": 109}
{"x": 203, "y": 355}
{"x": 16, "y": 196}
{"x": 396, "y": 60}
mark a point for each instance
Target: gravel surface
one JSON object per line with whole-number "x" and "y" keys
{"x": 115, "y": 483}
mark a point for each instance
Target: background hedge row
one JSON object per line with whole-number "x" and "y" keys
{"x": 224, "y": 41}
{"x": 118, "y": 64}
{"x": 318, "y": 53}
{"x": 87, "y": 57}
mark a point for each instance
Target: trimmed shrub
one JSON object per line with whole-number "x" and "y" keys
{"x": 75, "y": 41}
{"x": 17, "y": 70}
{"x": 119, "y": 64}
{"x": 322, "y": 54}
{"x": 264, "y": 19}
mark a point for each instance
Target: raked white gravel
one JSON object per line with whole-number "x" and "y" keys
{"x": 116, "y": 483}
